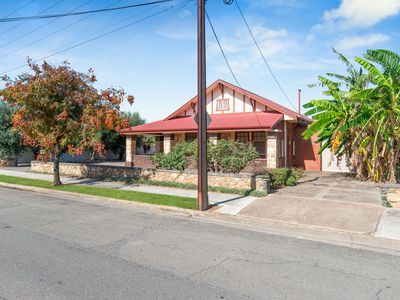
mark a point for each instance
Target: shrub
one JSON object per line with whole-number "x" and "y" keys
{"x": 177, "y": 158}
{"x": 233, "y": 156}
{"x": 10, "y": 140}
{"x": 284, "y": 177}
{"x": 225, "y": 156}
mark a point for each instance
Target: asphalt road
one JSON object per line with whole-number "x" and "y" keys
{"x": 73, "y": 248}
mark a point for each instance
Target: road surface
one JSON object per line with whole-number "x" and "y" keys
{"x": 62, "y": 247}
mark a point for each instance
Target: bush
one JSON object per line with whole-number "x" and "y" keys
{"x": 225, "y": 156}
{"x": 284, "y": 177}
{"x": 10, "y": 140}
{"x": 177, "y": 159}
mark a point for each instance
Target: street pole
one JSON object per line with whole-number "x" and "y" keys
{"x": 202, "y": 189}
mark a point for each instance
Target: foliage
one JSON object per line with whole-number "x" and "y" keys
{"x": 10, "y": 141}
{"x": 281, "y": 177}
{"x": 134, "y": 119}
{"x": 114, "y": 141}
{"x": 362, "y": 121}
{"x": 168, "y": 200}
{"x": 178, "y": 158}
{"x": 231, "y": 156}
{"x": 225, "y": 156}
{"x": 59, "y": 110}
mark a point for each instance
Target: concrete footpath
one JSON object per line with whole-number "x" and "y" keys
{"x": 323, "y": 200}
{"x": 229, "y": 204}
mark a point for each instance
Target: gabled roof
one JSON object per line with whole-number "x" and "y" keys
{"x": 245, "y": 121}
{"x": 269, "y": 103}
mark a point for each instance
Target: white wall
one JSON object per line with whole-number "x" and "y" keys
{"x": 236, "y": 104}
{"x": 330, "y": 163}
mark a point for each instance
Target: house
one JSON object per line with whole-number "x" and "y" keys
{"x": 236, "y": 114}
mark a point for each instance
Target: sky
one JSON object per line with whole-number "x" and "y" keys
{"x": 153, "y": 56}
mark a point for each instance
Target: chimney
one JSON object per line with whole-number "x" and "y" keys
{"x": 299, "y": 100}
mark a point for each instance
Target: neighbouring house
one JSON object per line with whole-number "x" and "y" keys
{"x": 236, "y": 114}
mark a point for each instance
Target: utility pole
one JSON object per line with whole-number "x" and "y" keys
{"x": 202, "y": 189}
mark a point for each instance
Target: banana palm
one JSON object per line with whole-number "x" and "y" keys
{"x": 364, "y": 121}
{"x": 382, "y": 103}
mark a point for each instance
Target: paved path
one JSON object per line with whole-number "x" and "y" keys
{"x": 230, "y": 204}
{"x": 323, "y": 200}
{"x": 389, "y": 224}
{"x": 73, "y": 248}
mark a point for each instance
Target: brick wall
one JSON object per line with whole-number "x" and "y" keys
{"x": 143, "y": 161}
{"x": 306, "y": 152}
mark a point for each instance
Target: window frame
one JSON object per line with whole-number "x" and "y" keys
{"x": 242, "y": 132}
{"x": 221, "y": 101}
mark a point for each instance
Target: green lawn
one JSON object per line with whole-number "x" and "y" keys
{"x": 183, "y": 202}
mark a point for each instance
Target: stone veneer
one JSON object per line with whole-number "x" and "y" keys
{"x": 12, "y": 162}
{"x": 229, "y": 180}
{"x": 130, "y": 141}
{"x": 272, "y": 151}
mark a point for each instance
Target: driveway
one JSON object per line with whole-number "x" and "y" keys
{"x": 323, "y": 200}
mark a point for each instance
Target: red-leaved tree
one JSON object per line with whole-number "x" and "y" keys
{"x": 59, "y": 110}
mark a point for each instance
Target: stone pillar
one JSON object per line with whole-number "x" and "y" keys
{"x": 168, "y": 142}
{"x": 272, "y": 150}
{"x": 130, "y": 150}
{"x": 213, "y": 137}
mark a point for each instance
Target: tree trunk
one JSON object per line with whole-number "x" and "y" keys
{"x": 393, "y": 166}
{"x": 56, "y": 166}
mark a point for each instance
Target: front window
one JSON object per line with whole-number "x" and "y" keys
{"x": 259, "y": 139}
{"x": 223, "y": 104}
{"x": 242, "y": 137}
{"x": 190, "y": 137}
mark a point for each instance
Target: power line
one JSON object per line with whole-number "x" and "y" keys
{"x": 40, "y": 27}
{"x": 222, "y": 50}
{"x": 54, "y": 32}
{"x": 4, "y": 20}
{"x": 96, "y": 37}
{"x": 262, "y": 55}
{"x": 19, "y": 24}
{"x": 226, "y": 60}
{"x": 18, "y": 9}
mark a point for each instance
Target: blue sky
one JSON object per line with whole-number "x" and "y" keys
{"x": 155, "y": 60}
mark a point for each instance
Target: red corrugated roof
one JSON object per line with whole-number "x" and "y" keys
{"x": 220, "y": 122}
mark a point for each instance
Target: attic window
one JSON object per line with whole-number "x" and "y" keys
{"x": 222, "y": 104}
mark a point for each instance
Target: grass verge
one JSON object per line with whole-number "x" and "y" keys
{"x": 182, "y": 202}
{"x": 187, "y": 186}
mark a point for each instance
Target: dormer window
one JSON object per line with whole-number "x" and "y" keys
{"x": 222, "y": 104}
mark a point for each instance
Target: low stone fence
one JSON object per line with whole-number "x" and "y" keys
{"x": 12, "y": 162}
{"x": 244, "y": 181}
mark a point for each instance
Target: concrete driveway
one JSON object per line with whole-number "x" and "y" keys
{"x": 323, "y": 200}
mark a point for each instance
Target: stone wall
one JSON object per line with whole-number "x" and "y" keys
{"x": 239, "y": 181}
{"x": 8, "y": 163}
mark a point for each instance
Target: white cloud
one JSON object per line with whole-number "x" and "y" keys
{"x": 177, "y": 34}
{"x": 352, "y": 42}
{"x": 361, "y": 13}
{"x": 185, "y": 13}
{"x": 282, "y": 51}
